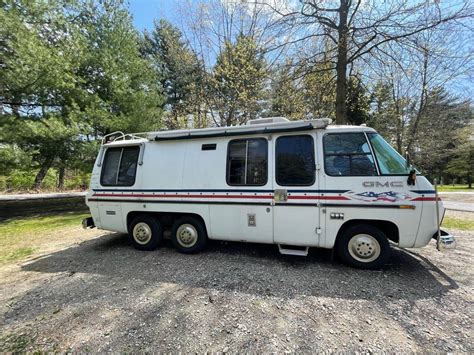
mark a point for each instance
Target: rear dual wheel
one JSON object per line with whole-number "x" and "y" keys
{"x": 188, "y": 235}
{"x": 145, "y": 232}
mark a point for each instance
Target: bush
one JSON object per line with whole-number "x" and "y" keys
{"x": 22, "y": 180}
{"x": 79, "y": 181}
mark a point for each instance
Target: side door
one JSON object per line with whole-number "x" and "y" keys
{"x": 244, "y": 211}
{"x": 296, "y": 211}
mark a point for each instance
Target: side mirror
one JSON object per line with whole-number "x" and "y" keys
{"x": 411, "y": 177}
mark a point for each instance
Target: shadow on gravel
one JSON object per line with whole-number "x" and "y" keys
{"x": 244, "y": 267}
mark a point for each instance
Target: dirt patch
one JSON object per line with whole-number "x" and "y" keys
{"x": 91, "y": 291}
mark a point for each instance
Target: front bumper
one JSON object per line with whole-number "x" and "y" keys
{"x": 446, "y": 240}
{"x": 88, "y": 223}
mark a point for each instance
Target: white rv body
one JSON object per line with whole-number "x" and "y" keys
{"x": 186, "y": 172}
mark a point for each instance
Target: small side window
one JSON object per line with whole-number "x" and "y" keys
{"x": 247, "y": 161}
{"x": 120, "y": 166}
{"x": 348, "y": 154}
{"x": 209, "y": 146}
{"x": 295, "y": 164}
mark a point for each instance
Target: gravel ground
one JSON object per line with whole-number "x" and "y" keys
{"x": 94, "y": 292}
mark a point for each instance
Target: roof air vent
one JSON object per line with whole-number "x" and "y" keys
{"x": 268, "y": 120}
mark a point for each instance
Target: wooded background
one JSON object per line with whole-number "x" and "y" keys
{"x": 72, "y": 71}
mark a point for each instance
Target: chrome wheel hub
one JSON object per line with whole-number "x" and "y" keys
{"x": 364, "y": 248}
{"x": 142, "y": 233}
{"x": 187, "y": 235}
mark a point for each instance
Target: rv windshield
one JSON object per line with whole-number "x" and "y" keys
{"x": 390, "y": 161}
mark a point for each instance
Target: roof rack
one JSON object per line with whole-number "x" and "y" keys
{"x": 263, "y": 126}
{"x": 119, "y": 136}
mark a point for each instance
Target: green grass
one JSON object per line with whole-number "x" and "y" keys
{"x": 20, "y": 237}
{"x": 19, "y": 253}
{"x": 15, "y": 343}
{"x": 454, "y": 188}
{"x": 458, "y": 223}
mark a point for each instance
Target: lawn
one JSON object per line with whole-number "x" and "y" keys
{"x": 454, "y": 188}
{"x": 21, "y": 237}
{"x": 458, "y": 223}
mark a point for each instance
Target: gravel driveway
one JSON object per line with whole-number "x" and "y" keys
{"x": 99, "y": 294}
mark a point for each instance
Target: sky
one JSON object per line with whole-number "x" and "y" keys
{"x": 145, "y": 11}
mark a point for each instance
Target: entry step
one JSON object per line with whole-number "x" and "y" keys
{"x": 293, "y": 250}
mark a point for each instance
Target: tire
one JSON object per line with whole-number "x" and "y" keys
{"x": 364, "y": 247}
{"x": 188, "y": 235}
{"x": 145, "y": 232}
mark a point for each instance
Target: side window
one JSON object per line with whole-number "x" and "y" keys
{"x": 348, "y": 154}
{"x": 295, "y": 165}
{"x": 120, "y": 166}
{"x": 247, "y": 161}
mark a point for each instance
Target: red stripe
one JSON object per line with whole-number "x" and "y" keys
{"x": 426, "y": 199}
{"x": 318, "y": 198}
{"x": 189, "y": 196}
{"x": 226, "y": 196}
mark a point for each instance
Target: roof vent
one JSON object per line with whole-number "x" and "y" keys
{"x": 268, "y": 120}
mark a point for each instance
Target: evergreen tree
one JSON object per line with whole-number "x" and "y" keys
{"x": 435, "y": 142}
{"x": 71, "y": 72}
{"x": 358, "y": 102}
{"x": 461, "y": 162}
{"x": 178, "y": 69}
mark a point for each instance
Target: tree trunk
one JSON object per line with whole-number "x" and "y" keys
{"x": 341, "y": 66}
{"x": 42, "y": 173}
{"x": 61, "y": 176}
{"x": 421, "y": 107}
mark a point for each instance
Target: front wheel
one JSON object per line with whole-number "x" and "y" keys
{"x": 363, "y": 246}
{"x": 189, "y": 235}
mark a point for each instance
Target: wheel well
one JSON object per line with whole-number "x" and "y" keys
{"x": 390, "y": 229}
{"x": 166, "y": 219}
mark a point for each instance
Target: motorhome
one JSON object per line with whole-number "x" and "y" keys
{"x": 294, "y": 184}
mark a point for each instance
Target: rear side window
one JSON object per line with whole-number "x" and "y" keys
{"x": 348, "y": 154}
{"x": 120, "y": 166}
{"x": 247, "y": 161}
{"x": 295, "y": 165}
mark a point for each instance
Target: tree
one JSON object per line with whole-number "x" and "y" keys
{"x": 461, "y": 163}
{"x": 437, "y": 134}
{"x": 178, "y": 69}
{"x": 237, "y": 81}
{"x": 360, "y": 29}
{"x": 358, "y": 102}
{"x": 38, "y": 59}
{"x": 122, "y": 89}
{"x": 287, "y": 99}
{"x": 318, "y": 89}
{"x": 71, "y": 72}
{"x": 386, "y": 114}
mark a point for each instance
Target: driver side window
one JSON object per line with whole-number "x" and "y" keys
{"x": 348, "y": 154}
